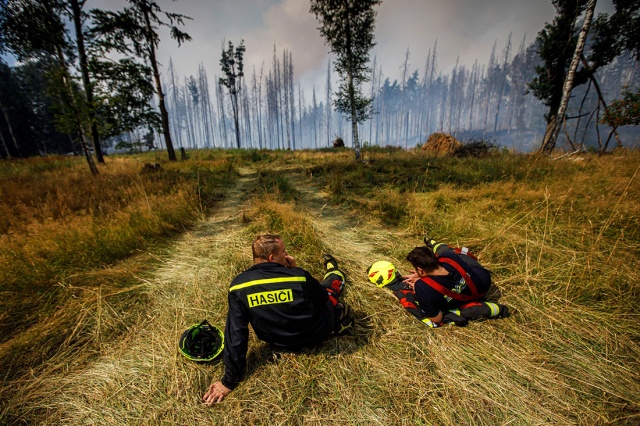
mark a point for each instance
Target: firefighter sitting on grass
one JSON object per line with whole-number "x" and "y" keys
{"x": 447, "y": 285}
{"x": 284, "y": 304}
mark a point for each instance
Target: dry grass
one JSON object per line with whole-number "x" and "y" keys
{"x": 561, "y": 237}
{"x": 63, "y": 233}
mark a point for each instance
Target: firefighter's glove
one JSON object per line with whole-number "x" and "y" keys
{"x": 344, "y": 320}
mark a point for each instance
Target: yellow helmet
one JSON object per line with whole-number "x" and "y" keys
{"x": 382, "y": 273}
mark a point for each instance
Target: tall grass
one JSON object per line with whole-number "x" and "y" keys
{"x": 60, "y": 227}
{"x": 561, "y": 237}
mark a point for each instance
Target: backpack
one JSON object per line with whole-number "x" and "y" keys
{"x": 475, "y": 295}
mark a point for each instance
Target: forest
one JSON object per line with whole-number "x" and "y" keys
{"x": 59, "y": 87}
{"x": 102, "y": 269}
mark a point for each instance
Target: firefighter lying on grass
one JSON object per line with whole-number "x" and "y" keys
{"x": 447, "y": 285}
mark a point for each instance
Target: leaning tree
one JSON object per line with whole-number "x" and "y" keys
{"x": 560, "y": 52}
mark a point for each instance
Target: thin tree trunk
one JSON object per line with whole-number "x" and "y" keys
{"x": 292, "y": 103}
{"x": 76, "y": 8}
{"x": 505, "y": 64}
{"x": 300, "y": 114}
{"x": 66, "y": 80}
{"x": 164, "y": 116}
{"x": 352, "y": 100}
{"x": 4, "y": 145}
{"x": 328, "y": 103}
{"x": 285, "y": 95}
{"x": 551, "y": 135}
{"x": 177, "y": 111}
{"x": 315, "y": 126}
{"x": 13, "y": 137}
{"x": 221, "y": 115}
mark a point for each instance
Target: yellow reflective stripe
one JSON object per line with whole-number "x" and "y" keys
{"x": 268, "y": 281}
{"x": 338, "y": 273}
{"x": 428, "y": 322}
{"x": 455, "y": 311}
{"x": 435, "y": 247}
{"x": 495, "y": 309}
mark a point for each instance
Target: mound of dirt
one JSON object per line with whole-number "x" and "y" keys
{"x": 441, "y": 143}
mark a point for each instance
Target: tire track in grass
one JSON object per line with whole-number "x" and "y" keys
{"x": 143, "y": 376}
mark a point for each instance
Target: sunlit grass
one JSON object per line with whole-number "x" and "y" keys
{"x": 59, "y": 224}
{"x": 561, "y": 237}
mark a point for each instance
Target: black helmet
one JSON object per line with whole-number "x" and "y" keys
{"x": 201, "y": 342}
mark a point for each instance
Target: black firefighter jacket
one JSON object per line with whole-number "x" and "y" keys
{"x": 286, "y": 307}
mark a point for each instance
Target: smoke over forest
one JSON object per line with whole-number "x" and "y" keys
{"x": 489, "y": 100}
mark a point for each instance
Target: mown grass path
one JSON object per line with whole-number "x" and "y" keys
{"x": 537, "y": 367}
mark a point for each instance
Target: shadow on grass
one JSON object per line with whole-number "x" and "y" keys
{"x": 355, "y": 339}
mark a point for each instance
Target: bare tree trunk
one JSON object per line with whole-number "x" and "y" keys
{"x": 234, "y": 106}
{"x": 188, "y": 115}
{"x": 373, "y": 84}
{"x": 292, "y": 103}
{"x": 221, "y": 115}
{"x": 76, "y": 8}
{"x": 553, "y": 128}
{"x": 300, "y": 114}
{"x": 4, "y": 145}
{"x": 205, "y": 106}
{"x": 177, "y": 112}
{"x": 452, "y": 93}
{"x": 164, "y": 116}
{"x": 380, "y": 109}
{"x": 489, "y": 94}
{"x": 328, "y": 103}
{"x": 315, "y": 126}
{"x": 247, "y": 115}
{"x": 429, "y": 126}
{"x": 285, "y": 95}
{"x": 505, "y": 64}
{"x": 256, "y": 106}
{"x": 13, "y": 137}
{"x": 77, "y": 116}
{"x": 474, "y": 82}
{"x": 403, "y": 87}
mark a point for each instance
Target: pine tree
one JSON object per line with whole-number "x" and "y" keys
{"x": 232, "y": 63}
{"x": 134, "y": 30}
{"x": 34, "y": 30}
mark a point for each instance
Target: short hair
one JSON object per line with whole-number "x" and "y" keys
{"x": 424, "y": 258}
{"x": 264, "y": 245}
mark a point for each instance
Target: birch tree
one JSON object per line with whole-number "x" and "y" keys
{"x": 551, "y": 135}
{"x": 347, "y": 26}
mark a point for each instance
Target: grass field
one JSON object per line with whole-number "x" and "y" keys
{"x": 100, "y": 276}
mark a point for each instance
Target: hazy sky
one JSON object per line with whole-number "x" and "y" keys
{"x": 464, "y": 28}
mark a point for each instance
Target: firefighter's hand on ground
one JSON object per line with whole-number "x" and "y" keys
{"x": 216, "y": 393}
